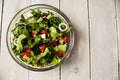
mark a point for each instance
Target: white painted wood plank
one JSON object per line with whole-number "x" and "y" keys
{"x": 0, "y": 21}
{"x": 9, "y": 69}
{"x": 104, "y": 56}
{"x": 49, "y": 2}
{"x": 0, "y": 9}
{"x": 52, "y": 74}
{"x": 118, "y": 27}
{"x": 77, "y": 66}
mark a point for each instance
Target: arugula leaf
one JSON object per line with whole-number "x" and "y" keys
{"x": 22, "y": 19}
{"x": 55, "y": 21}
{"x": 36, "y": 12}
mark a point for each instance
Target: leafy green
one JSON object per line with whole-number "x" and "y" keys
{"x": 43, "y": 54}
{"x": 53, "y": 32}
{"x": 19, "y": 44}
{"x": 61, "y": 48}
{"x": 55, "y": 21}
{"x": 22, "y": 19}
{"x": 56, "y": 60}
{"x": 36, "y": 12}
{"x": 50, "y": 15}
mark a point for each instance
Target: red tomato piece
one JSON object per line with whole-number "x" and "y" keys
{"x": 60, "y": 53}
{"x": 54, "y": 43}
{"x": 33, "y": 33}
{"x": 27, "y": 50}
{"x": 26, "y": 53}
{"x": 65, "y": 39}
{"x": 44, "y": 32}
{"x": 42, "y": 48}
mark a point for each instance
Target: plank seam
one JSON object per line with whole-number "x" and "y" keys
{"x": 30, "y": 1}
{"x": 89, "y": 40}
{"x": 1, "y": 23}
{"x": 59, "y": 3}
{"x": 117, "y": 33}
{"x": 60, "y": 73}
{"x": 28, "y": 75}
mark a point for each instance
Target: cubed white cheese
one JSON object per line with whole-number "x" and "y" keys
{"x": 43, "y": 36}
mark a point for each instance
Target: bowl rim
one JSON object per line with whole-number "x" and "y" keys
{"x": 20, "y": 62}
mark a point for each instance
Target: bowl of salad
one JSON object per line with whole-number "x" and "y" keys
{"x": 40, "y": 37}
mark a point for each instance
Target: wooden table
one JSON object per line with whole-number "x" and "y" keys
{"x": 96, "y": 54}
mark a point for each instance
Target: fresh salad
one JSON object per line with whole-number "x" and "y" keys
{"x": 40, "y": 39}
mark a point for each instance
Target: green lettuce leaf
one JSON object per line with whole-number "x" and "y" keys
{"x": 19, "y": 44}
{"x": 61, "y": 48}
{"x": 56, "y": 60}
{"x": 43, "y": 54}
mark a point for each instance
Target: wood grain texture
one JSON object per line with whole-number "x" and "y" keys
{"x": 9, "y": 69}
{"x": 52, "y": 74}
{"x": 117, "y": 3}
{"x": 77, "y": 66}
{"x": 104, "y": 52}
